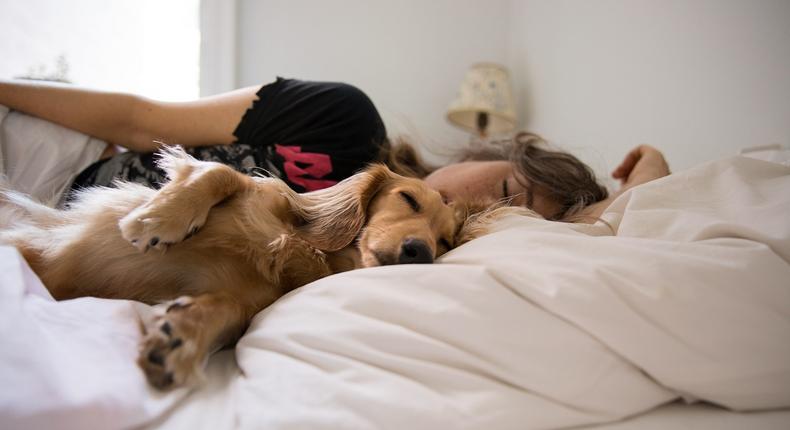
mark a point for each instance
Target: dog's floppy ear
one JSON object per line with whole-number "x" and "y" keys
{"x": 332, "y": 217}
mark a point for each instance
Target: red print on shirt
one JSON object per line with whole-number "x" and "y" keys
{"x": 316, "y": 166}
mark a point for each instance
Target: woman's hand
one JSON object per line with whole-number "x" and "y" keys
{"x": 642, "y": 164}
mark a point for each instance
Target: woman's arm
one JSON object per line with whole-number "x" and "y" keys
{"x": 131, "y": 121}
{"x": 642, "y": 164}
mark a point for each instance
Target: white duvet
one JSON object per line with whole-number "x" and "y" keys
{"x": 538, "y": 325}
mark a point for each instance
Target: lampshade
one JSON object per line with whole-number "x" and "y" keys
{"x": 485, "y": 90}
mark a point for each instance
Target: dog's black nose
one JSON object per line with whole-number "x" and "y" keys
{"x": 415, "y": 251}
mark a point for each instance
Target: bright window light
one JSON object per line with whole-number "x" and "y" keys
{"x": 145, "y": 47}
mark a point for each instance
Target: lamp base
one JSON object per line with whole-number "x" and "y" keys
{"x": 482, "y": 123}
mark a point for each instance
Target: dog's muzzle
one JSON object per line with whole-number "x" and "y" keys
{"x": 415, "y": 251}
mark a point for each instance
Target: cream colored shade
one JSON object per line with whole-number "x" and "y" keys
{"x": 486, "y": 88}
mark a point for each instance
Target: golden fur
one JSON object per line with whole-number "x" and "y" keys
{"x": 213, "y": 247}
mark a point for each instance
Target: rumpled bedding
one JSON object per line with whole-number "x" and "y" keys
{"x": 41, "y": 158}
{"x": 683, "y": 293}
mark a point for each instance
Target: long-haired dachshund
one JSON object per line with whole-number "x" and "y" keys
{"x": 213, "y": 247}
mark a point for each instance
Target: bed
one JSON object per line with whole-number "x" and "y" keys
{"x": 674, "y": 312}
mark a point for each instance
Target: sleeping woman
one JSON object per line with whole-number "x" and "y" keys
{"x": 313, "y": 135}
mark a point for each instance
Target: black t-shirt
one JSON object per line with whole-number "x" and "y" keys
{"x": 309, "y": 134}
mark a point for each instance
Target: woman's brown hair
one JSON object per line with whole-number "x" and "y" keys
{"x": 402, "y": 158}
{"x": 559, "y": 175}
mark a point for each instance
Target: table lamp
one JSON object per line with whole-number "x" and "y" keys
{"x": 484, "y": 105}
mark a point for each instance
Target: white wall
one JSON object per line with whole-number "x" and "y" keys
{"x": 409, "y": 56}
{"x": 697, "y": 78}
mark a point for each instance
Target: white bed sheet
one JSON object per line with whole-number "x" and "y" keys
{"x": 41, "y": 158}
{"x": 700, "y": 416}
{"x": 70, "y": 364}
{"x": 537, "y": 325}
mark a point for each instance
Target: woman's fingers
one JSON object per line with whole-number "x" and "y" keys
{"x": 644, "y": 163}
{"x": 627, "y": 165}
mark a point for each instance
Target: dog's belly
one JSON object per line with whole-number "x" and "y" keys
{"x": 155, "y": 277}
{"x": 219, "y": 258}
{"x": 232, "y": 253}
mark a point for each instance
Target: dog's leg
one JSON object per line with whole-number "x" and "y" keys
{"x": 177, "y": 342}
{"x": 181, "y": 207}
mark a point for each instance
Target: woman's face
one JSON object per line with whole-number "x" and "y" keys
{"x": 489, "y": 181}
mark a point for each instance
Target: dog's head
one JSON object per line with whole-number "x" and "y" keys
{"x": 406, "y": 222}
{"x": 395, "y": 219}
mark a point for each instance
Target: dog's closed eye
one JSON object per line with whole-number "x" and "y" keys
{"x": 415, "y": 206}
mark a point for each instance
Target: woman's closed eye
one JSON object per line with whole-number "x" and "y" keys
{"x": 515, "y": 193}
{"x": 511, "y": 191}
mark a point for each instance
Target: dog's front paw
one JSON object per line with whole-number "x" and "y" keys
{"x": 158, "y": 226}
{"x": 170, "y": 354}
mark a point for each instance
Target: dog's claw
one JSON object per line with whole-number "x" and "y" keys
{"x": 192, "y": 232}
{"x": 167, "y": 380}
{"x": 156, "y": 357}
